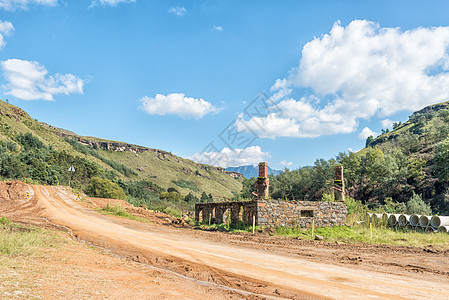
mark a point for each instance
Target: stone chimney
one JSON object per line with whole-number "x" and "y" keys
{"x": 339, "y": 184}
{"x": 261, "y": 187}
{"x": 263, "y": 170}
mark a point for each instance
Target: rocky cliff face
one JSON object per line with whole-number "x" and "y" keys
{"x": 121, "y": 147}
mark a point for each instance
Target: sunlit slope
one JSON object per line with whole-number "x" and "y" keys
{"x": 158, "y": 166}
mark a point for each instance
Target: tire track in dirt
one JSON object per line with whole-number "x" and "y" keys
{"x": 254, "y": 270}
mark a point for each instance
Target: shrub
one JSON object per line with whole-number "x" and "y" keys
{"x": 355, "y": 206}
{"x": 104, "y": 188}
{"x": 29, "y": 141}
{"x": 415, "y": 205}
{"x": 327, "y": 197}
{"x": 186, "y": 184}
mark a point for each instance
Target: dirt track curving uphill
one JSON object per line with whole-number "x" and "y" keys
{"x": 256, "y": 267}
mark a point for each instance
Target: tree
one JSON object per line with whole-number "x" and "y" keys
{"x": 190, "y": 198}
{"x": 104, "y": 188}
{"x": 29, "y": 141}
{"x": 211, "y": 198}
{"x": 415, "y": 205}
{"x": 172, "y": 189}
{"x": 441, "y": 161}
{"x": 369, "y": 141}
{"x": 204, "y": 197}
{"x": 171, "y": 196}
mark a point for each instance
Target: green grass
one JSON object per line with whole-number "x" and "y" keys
{"x": 118, "y": 210}
{"x": 186, "y": 185}
{"x": 362, "y": 234}
{"x": 21, "y": 240}
{"x": 164, "y": 172}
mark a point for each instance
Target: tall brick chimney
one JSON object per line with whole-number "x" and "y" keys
{"x": 339, "y": 184}
{"x": 262, "y": 184}
{"x": 263, "y": 169}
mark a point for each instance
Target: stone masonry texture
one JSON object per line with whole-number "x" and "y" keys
{"x": 273, "y": 213}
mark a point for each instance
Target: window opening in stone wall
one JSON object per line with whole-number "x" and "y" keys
{"x": 306, "y": 213}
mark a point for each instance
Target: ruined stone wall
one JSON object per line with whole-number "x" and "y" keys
{"x": 274, "y": 213}
{"x": 224, "y": 212}
{"x": 300, "y": 213}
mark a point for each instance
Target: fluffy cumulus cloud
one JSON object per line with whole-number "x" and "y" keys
{"x": 366, "y": 132}
{"x": 5, "y": 29}
{"x": 177, "y": 104}
{"x": 29, "y": 80}
{"x": 232, "y": 158}
{"x": 387, "y": 123}
{"x": 178, "y": 10}
{"x": 358, "y": 72}
{"x": 112, "y": 3}
{"x": 12, "y": 5}
{"x": 286, "y": 163}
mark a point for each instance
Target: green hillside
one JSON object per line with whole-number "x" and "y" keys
{"x": 119, "y": 162}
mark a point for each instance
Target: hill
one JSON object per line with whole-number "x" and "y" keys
{"x": 43, "y": 153}
{"x": 251, "y": 171}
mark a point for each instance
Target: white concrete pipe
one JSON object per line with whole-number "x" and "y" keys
{"x": 424, "y": 221}
{"x": 419, "y": 229}
{"x": 438, "y": 221}
{"x": 430, "y": 229}
{"x": 376, "y": 219}
{"x": 367, "y": 218}
{"x": 408, "y": 227}
{"x": 393, "y": 219}
{"x": 443, "y": 229}
{"x": 385, "y": 217}
{"x": 403, "y": 220}
{"x": 414, "y": 220}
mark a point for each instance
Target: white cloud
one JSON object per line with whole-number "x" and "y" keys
{"x": 297, "y": 119}
{"x": 28, "y": 80}
{"x": 366, "y": 132}
{"x": 5, "y": 29}
{"x": 286, "y": 163}
{"x": 232, "y": 158}
{"x": 387, "y": 123}
{"x": 360, "y": 71}
{"x": 218, "y": 28}
{"x": 12, "y": 5}
{"x": 177, "y": 104}
{"x": 178, "y": 10}
{"x": 112, "y": 3}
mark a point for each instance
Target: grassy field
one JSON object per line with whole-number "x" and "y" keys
{"x": 119, "y": 211}
{"x": 362, "y": 234}
{"x": 356, "y": 234}
{"x": 21, "y": 240}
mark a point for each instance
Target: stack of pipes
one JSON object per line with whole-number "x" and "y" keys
{"x": 418, "y": 223}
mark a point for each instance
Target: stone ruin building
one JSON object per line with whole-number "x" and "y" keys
{"x": 267, "y": 212}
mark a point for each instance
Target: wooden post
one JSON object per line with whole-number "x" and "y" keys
{"x": 210, "y": 216}
{"x": 313, "y": 227}
{"x": 254, "y": 223}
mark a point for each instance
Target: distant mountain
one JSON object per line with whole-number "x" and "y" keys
{"x": 252, "y": 171}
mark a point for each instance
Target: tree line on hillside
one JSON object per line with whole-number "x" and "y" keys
{"x": 409, "y": 163}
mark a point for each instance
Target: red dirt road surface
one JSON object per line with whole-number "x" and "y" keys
{"x": 252, "y": 268}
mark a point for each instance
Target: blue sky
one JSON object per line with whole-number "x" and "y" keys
{"x": 174, "y": 75}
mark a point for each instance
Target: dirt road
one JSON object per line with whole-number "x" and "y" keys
{"x": 253, "y": 272}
